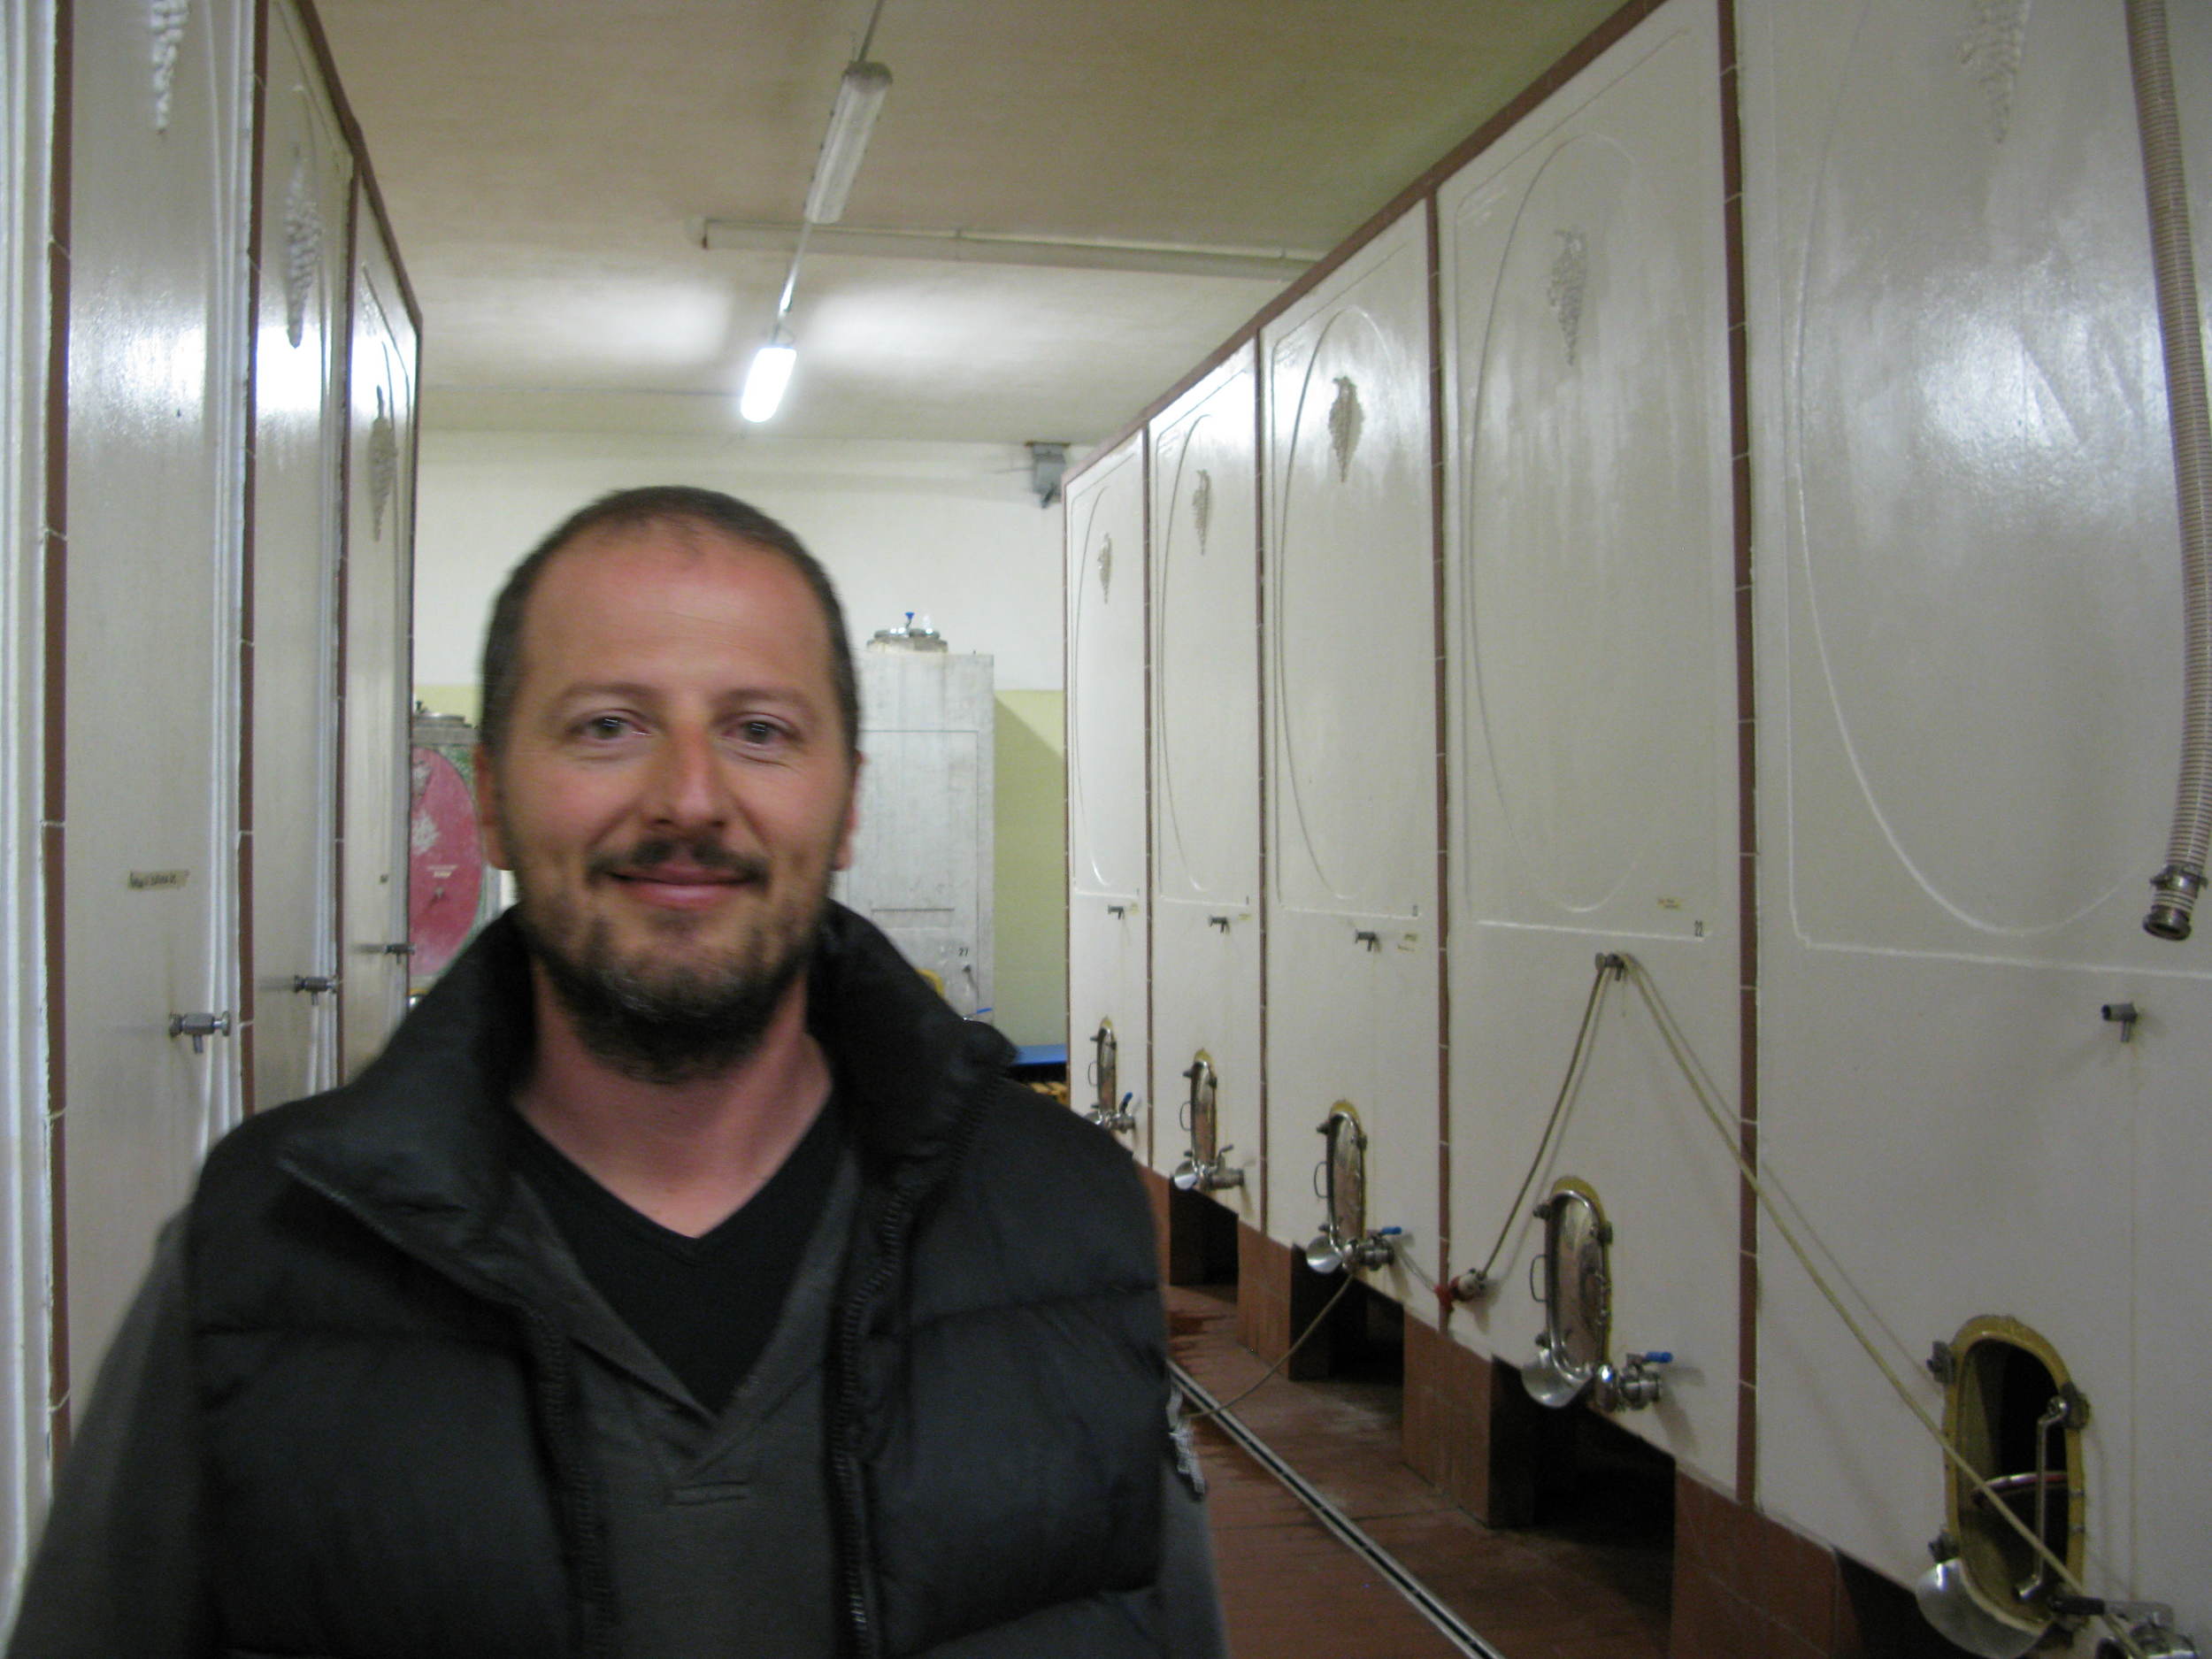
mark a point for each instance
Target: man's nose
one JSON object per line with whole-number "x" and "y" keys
{"x": 687, "y": 786}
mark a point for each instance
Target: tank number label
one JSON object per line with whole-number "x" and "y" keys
{"x": 143, "y": 879}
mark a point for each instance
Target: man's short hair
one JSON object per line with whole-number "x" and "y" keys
{"x": 632, "y": 509}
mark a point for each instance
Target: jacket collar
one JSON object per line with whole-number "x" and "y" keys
{"x": 422, "y": 1137}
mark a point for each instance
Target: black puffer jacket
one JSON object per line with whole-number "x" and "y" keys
{"x": 395, "y": 1452}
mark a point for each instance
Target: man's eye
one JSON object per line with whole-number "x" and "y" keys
{"x": 605, "y": 727}
{"x": 760, "y": 731}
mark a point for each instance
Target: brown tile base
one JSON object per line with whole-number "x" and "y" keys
{"x": 1562, "y": 1591}
{"x": 1747, "y": 1587}
{"x": 1159, "y": 1191}
{"x": 1262, "y": 1294}
{"x": 1195, "y": 1236}
{"x": 1278, "y": 1297}
{"x": 1470, "y": 1427}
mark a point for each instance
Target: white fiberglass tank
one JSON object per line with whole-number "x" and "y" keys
{"x": 1592, "y": 652}
{"x": 1108, "y": 889}
{"x": 1969, "y": 644}
{"x": 1350, "y": 654}
{"x": 1206, "y": 780}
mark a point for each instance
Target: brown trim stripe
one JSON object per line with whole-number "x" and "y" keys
{"x": 1576, "y": 60}
{"x": 244, "y": 910}
{"x": 1151, "y": 881}
{"x": 1746, "y": 759}
{"x": 1259, "y": 657}
{"x": 364, "y": 171}
{"x": 1442, "y": 636}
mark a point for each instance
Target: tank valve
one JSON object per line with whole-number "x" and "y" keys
{"x": 1375, "y": 1250}
{"x": 1635, "y": 1384}
{"x": 1119, "y": 1121}
{"x": 2143, "y": 1630}
{"x": 1196, "y": 1174}
{"x": 1331, "y": 1251}
{"x": 1471, "y": 1285}
{"x": 200, "y": 1028}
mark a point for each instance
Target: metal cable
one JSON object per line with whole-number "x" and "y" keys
{"x": 1707, "y": 1095}
{"x": 1314, "y": 1323}
{"x": 1608, "y": 969}
{"x": 869, "y": 34}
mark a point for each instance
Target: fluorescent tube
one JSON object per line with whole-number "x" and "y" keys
{"x": 764, "y": 381}
{"x": 859, "y": 96}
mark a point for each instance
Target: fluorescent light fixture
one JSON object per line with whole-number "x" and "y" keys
{"x": 859, "y": 96}
{"x": 764, "y": 381}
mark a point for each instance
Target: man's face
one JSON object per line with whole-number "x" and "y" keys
{"x": 675, "y": 790}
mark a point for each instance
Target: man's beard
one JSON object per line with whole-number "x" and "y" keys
{"x": 655, "y": 1022}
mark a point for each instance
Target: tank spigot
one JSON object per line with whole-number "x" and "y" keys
{"x": 1196, "y": 1174}
{"x": 1635, "y": 1384}
{"x": 1331, "y": 1251}
{"x": 1471, "y": 1285}
{"x": 2142, "y": 1630}
{"x": 1377, "y": 1249}
{"x": 1119, "y": 1121}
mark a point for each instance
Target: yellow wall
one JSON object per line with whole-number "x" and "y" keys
{"x": 461, "y": 700}
{"x": 1030, "y": 939}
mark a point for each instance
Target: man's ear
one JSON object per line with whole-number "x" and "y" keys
{"x": 487, "y": 808}
{"x": 844, "y": 858}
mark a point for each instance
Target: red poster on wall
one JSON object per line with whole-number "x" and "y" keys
{"x": 445, "y": 863}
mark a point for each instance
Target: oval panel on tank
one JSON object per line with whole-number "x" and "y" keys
{"x": 1353, "y": 633}
{"x": 1588, "y": 617}
{"x": 1106, "y": 687}
{"x": 1206, "y": 852}
{"x": 1979, "y": 400}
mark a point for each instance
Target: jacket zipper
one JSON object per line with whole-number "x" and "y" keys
{"x": 554, "y": 1365}
{"x": 854, "y": 1546}
{"x": 857, "y": 1561}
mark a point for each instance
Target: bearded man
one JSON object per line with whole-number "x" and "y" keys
{"x": 684, "y": 1278}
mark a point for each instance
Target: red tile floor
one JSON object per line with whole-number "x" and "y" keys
{"x": 1582, "y": 1585}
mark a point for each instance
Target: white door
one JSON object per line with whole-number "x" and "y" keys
{"x": 299, "y": 439}
{"x": 921, "y": 867}
{"x": 157, "y": 302}
{"x": 377, "y": 677}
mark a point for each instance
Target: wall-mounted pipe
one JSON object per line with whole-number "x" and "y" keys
{"x": 2181, "y": 328}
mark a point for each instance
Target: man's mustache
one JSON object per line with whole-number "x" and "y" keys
{"x": 703, "y": 854}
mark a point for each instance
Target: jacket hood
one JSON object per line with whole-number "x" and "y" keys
{"x": 424, "y": 1132}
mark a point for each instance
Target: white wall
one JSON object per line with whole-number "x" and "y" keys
{"x": 949, "y": 530}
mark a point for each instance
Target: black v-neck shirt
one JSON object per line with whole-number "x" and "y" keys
{"x": 706, "y": 1306}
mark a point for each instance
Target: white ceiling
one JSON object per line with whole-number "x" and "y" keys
{"x": 546, "y": 163}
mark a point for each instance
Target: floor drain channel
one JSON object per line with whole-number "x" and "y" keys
{"x": 1454, "y": 1629}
